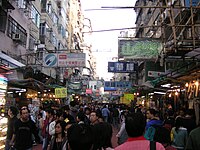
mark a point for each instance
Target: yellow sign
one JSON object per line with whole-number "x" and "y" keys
{"x": 60, "y": 92}
{"x": 127, "y": 98}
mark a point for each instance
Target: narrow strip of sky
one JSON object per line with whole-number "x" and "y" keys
{"x": 107, "y": 19}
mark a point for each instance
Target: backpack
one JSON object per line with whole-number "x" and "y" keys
{"x": 158, "y": 133}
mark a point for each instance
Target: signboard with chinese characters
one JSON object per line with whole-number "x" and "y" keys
{"x": 60, "y": 92}
{"x": 64, "y": 60}
{"x": 122, "y": 67}
{"x": 189, "y": 3}
{"x": 139, "y": 48}
{"x": 127, "y": 98}
{"x": 88, "y": 91}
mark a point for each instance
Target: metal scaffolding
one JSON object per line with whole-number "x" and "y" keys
{"x": 176, "y": 22}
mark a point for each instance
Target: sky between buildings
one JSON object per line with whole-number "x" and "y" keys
{"x": 105, "y": 44}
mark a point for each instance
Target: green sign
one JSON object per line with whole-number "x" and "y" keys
{"x": 140, "y": 48}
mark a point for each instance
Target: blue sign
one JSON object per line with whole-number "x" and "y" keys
{"x": 50, "y": 60}
{"x": 122, "y": 67}
{"x": 194, "y": 3}
{"x": 117, "y": 84}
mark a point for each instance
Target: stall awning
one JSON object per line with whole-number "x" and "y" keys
{"x": 9, "y": 61}
{"x": 194, "y": 53}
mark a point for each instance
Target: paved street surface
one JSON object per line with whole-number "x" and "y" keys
{"x": 114, "y": 141}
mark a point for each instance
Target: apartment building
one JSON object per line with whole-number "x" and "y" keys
{"x": 175, "y": 24}
{"x": 32, "y": 29}
{"x": 19, "y": 31}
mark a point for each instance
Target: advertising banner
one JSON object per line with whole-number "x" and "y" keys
{"x": 88, "y": 91}
{"x": 129, "y": 97}
{"x": 139, "y": 48}
{"x": 60, "y": 92}
{"x": 191, "y": 2}
{"x": 122, "y": 67}
{"x": 126, "y": 99}
{"x": 64, "y": 60}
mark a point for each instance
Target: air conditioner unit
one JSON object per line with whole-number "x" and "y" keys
{"x": 16, "y": 37}
{"x": 37, "y": 42}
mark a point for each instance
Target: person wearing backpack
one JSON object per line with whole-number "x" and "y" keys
{"x": 153, "y": 123}
{"x": 135, "y": 126}
{"x": 179, "y": 134}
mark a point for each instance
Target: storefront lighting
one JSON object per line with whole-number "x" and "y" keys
{"x": 161, "y": 93}
{"x": 39, "y": 92}
{"x": 54, "y": 96}
{"x": 143, "y": 102}
{"x": 166, "y": 85}
{"x": 20, "y": 94}
{"x": 176, "y": 93}
{"x": 151, "y": 93}
{"x": 196, "y": 83}
{"x": 186, "y": 84}
{"x": 170, "y": 95}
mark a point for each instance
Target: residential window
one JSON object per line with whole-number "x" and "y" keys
{"x": 60, "y": 46}
{"x": 48, "y": 8}
{"x": 22, "y": 4}
{"x": 42, "y": 28}
{"x": 55, "y": 18}
{"x": 3, "y": 20}
{"x": 35, "y": 16}
{"x": 16, "y": 28}
{"x": 39, "y": 54}
{"x": 61, "y": 30}
{"x": 32, "y": 45}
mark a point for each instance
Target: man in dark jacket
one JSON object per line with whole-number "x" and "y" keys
{"x": 12, "y": 113}
{"x": 23, "y": 130}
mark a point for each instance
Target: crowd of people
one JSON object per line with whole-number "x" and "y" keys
{"x": 90, "y": 127}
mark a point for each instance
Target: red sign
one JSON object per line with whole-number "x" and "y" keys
{"x": 62, "y": 56}
{"x": 88, "y": 91}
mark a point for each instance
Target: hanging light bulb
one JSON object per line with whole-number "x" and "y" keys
{"x": 176, "y": 93}
{"x": 186, "y": 84}
{"x": 170, "y": 95}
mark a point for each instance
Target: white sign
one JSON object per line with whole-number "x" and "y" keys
{"x": 64, "y": 60}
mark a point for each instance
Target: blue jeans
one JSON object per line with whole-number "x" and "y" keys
{"x": 105, "y": 118}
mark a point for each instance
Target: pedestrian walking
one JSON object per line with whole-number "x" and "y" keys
{"x": 193, "y": 140}
{"x": 12, "y": 114}
{"x": 59, "y": 140}
{"x": 135, "y": 126}
{"x": 23, "y": 130}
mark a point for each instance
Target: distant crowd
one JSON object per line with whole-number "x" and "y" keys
{"x": 90, "y": 127}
